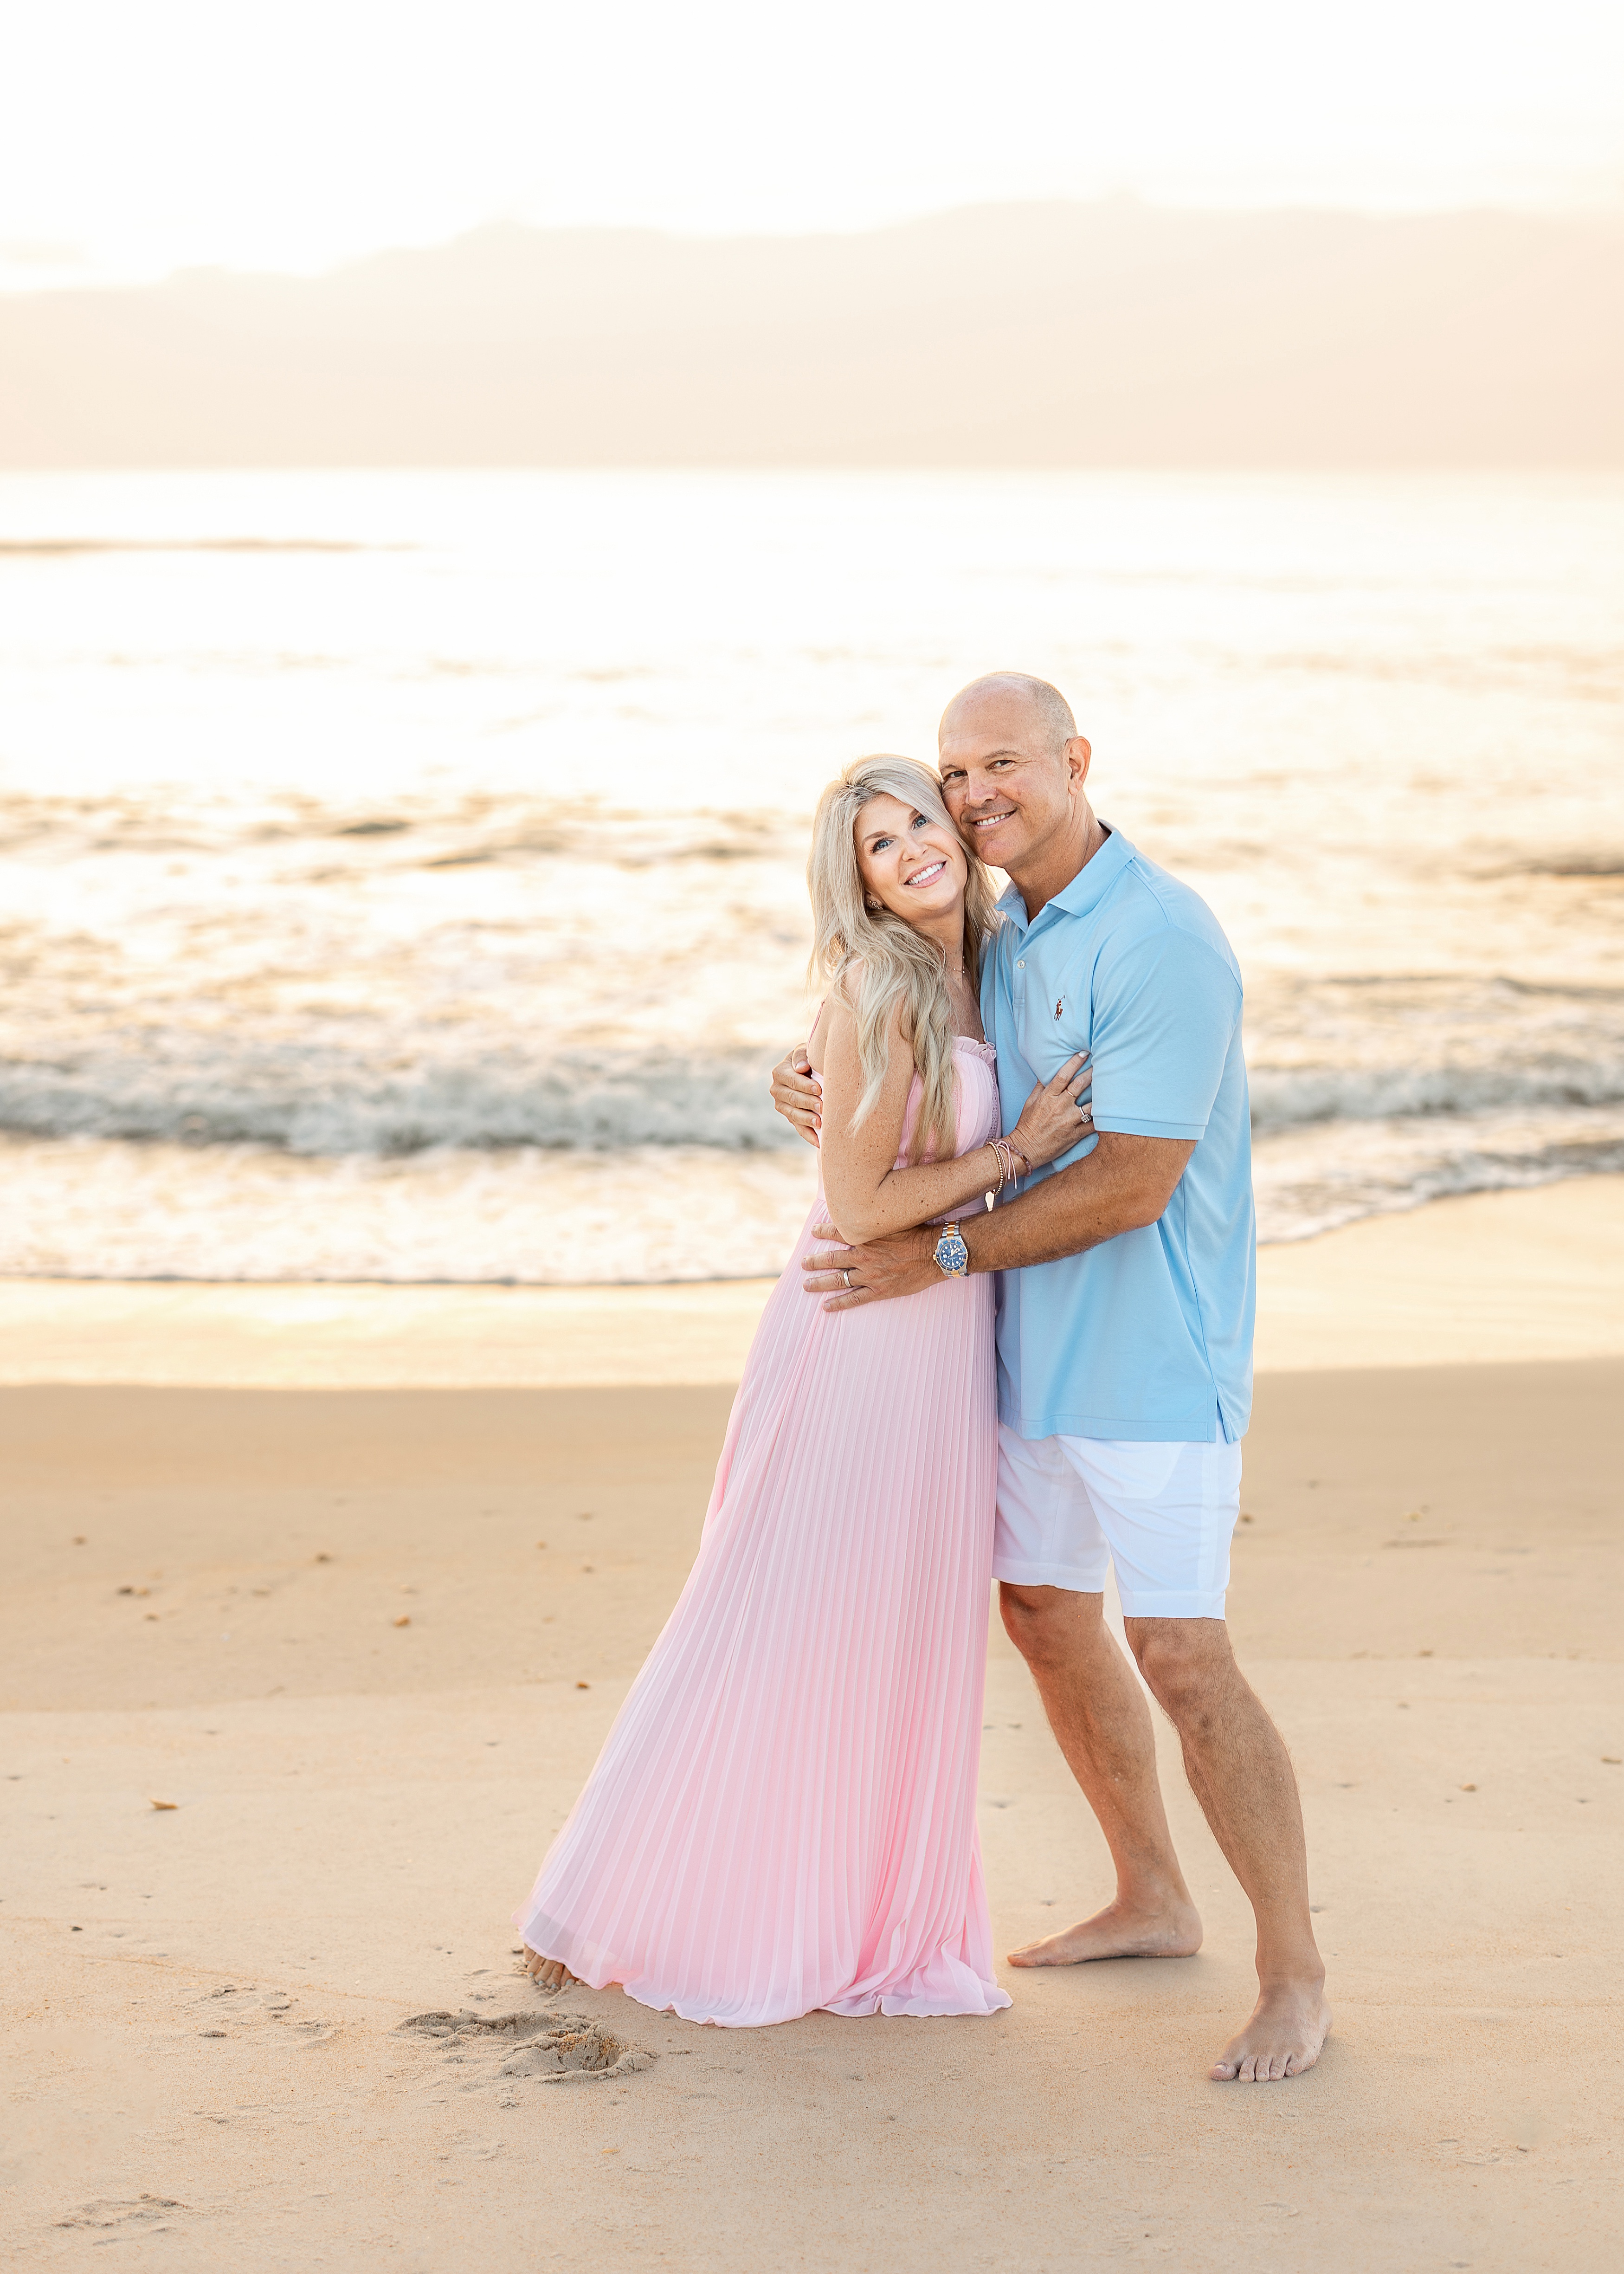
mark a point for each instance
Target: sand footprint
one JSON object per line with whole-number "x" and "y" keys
{"x": 151, "y": 2212}
{"x": 553, "y": 2048}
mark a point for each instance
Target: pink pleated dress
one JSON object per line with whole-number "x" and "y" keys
{"x": 782, "y": 1816}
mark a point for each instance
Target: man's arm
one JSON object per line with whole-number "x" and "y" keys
{"x": 1124, "y": 1184}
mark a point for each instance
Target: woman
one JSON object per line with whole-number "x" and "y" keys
{"x": 782, "y": 1816}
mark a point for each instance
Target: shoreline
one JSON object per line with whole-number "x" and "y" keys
{"x": 1487, "y": 1278}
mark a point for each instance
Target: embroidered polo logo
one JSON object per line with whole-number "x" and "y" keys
{"x": 1059, "y": 1005}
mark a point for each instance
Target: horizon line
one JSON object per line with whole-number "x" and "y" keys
{"x": 72, "y": 274}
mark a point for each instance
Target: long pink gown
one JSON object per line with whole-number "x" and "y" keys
{"x": 782, "y": 1816}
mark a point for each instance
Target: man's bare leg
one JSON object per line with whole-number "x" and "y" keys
{"x": 1101, "y": 1724}
{"x": 1241, "y": 1773}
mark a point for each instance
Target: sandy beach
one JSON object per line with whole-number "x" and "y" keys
{"x": 323, "y": 1599}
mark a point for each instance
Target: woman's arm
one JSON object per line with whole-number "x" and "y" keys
{"x": 868, "y": 1195}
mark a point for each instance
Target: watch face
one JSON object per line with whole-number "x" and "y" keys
{"x": 951, "y": 1253}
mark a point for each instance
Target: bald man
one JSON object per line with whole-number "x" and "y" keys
{"x": 1124, "y": 1347}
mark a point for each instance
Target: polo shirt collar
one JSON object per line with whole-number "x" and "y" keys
{"x": 1086, "y": 890}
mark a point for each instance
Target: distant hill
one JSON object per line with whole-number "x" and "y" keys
{"x": 1111, "y": 334}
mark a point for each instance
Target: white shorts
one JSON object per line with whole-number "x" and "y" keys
{"x": 1162, "y": 1513}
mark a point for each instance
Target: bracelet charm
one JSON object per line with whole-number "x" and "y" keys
{"x": 1006, "y": 1157}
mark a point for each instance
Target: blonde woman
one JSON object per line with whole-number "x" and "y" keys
{"x": 783, "y": 1817}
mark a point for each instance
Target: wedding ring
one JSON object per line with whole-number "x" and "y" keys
{"x": 847, "y": 1276}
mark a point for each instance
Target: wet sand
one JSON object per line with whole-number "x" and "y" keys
{"x": 1497, "y": 1277}
{"x": 317, "y": 1622}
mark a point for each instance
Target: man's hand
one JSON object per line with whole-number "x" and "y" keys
{"x": 901, "y": 1263}
{"x": 797, "y": 1096}
{"x": 1123, "y": 1185}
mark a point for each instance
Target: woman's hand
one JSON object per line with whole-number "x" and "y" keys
{"x": 1054, "y": 1117}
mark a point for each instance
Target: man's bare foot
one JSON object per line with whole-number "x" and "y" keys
{"x": 1289, "y": 2027}
{"x": 1174, "y": 1931}
{"x": 547, "y": 1973}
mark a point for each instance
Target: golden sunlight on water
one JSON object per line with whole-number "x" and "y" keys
{"x": 404, "y": 870}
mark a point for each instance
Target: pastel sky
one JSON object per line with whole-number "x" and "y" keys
{"x": 137, "y": 138}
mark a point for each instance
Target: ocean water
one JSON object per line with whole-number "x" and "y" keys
{"x": 401, "y": 874}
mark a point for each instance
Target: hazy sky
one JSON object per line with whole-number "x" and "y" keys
{"x": 137, "y": 138}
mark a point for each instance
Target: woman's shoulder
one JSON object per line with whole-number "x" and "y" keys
{"x": 844, "y": 998}
{"x": 838, "y": 1007}
{"x": 841, "y": 1020}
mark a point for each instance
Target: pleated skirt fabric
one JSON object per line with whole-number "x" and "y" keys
{"x": 782, "y": 1816}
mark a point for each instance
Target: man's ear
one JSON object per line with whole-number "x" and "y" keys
{"x": 1080, "y": 757}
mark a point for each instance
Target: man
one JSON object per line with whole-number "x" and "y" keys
{"x": 1124, "y": 1347}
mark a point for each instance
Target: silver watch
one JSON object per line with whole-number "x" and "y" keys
{"x": 951, "y": 1256}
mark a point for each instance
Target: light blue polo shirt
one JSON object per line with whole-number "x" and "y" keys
{"x": 1149, "y": 1334}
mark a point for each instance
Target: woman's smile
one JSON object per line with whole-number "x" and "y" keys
{"x": 925, "y": 875}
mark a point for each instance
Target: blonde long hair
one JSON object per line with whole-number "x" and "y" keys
{"x": 849, "y": 929}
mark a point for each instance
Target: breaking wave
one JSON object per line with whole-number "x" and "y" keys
{"x": 387, "y": 1094}
{"x": 312, "y": 1099}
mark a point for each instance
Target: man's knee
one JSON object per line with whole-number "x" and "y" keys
{"x": 1042, "y": 1622}
{"x": 1186, "y": 1662}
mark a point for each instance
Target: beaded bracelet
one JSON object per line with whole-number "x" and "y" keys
{"x": 1006, "y": 1156}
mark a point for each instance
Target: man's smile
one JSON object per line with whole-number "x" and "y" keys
{"x": 991, "y": 820}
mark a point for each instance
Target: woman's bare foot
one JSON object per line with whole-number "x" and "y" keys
{"x": 1173, "y": 1931}
{"x": 547, "y": 1973}
{"x": 1289, "y": 2027}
